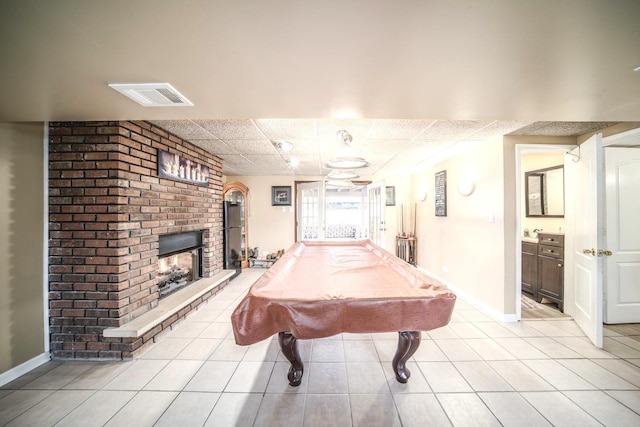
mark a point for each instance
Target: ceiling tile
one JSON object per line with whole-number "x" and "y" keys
{"x": 458, "y": 129}
{"x": 265, "y": 159}
{"x": 236, "y": 161}
{"x": 498, "y": 128}
{"x": 214, "y": 146}
{"x": 287, "y": 128}
{"x": 250, "y": 146}
{"x": 232, "y": 128}
{"x": 561, "y": 128}
{"x": 327, "y": 129}
{"x": 398, "y": 129}
{"x": 303, "y": 146}
{"x": 185, "y": 129}
{"x": 389, "y": 145}
{"x": 570, "y": 128}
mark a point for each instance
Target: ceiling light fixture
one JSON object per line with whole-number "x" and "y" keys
{"x": 283, "y": 146}
{"x": 341, "y": 183}
{"x": 343, "y": 174}
{"x": 347, "y": 157}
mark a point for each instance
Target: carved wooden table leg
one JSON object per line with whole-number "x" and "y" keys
{"x": 408, "y": 343}
{"x": 289, "y": 347}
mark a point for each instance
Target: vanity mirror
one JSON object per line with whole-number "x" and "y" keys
{"x": 544, "y": 192}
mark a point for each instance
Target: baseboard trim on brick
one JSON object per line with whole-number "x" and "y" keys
{"x": 168, "y": 307}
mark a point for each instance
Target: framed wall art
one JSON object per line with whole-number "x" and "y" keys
{"x": 390, "y": 196}
{"x": 178, "y": 168}
{"x": 281, "y": 196}
{"x": 440, "y": 189}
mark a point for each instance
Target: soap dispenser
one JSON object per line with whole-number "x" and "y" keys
{"x": 526, "y": 232}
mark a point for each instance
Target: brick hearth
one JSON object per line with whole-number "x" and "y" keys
{"x": 107, "y": 207}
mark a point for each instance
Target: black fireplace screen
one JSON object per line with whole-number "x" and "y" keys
{"x": 179, "y": 262}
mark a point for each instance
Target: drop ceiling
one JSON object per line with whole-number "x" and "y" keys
{"x": 412, "y": 81}
{"x": 392, "y": 147}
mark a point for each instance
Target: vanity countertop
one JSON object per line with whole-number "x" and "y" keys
{"x": 530, "y": 239}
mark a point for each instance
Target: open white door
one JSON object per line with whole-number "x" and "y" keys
{"x": 377, "y": 201}
{"x": 584, "y": 187}
{"x": 310, "y": 208}
{"x": 622, "y": 285}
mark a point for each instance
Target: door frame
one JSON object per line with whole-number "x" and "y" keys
{"x": 626, "y": 138}
{"x": 295, "y": 198}
{"x": 380, "y": 232}
{"x": 521, "y": 149}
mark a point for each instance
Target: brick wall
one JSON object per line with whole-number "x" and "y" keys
{"x": 107, "y": 207}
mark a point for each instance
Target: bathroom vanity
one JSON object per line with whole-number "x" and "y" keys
{"x": 543, "y": 267}
{"x": 530, "y": 267}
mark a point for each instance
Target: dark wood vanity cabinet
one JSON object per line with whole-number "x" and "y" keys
{"x": 551, "y": 268}
{"x": 530, "y": 268}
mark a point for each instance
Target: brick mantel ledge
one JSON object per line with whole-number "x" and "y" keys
{"x": 169, "y": 307}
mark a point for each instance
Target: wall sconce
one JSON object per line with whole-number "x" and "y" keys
{"x": 465, "y": 186}
{"x": 422, "y": 192}
{"x": 422, "y": 184}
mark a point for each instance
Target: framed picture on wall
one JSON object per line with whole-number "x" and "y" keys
{"x": 176, "y": 167}
{"x": 390, "y": 196}
{"x": 440, "y": 189}
{"x": 281, "y": 196}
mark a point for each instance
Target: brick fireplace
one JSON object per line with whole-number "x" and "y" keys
{"x": 107, "y": 209}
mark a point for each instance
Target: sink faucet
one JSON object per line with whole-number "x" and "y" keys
{"x": 537, "y": 230}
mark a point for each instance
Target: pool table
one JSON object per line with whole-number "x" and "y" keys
{"x": 320, "y": 289}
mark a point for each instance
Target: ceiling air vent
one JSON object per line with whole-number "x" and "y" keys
{"x": 152, "y": 94}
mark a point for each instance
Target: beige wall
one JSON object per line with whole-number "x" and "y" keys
{"x": 270, "y": 228}
{"x": 466, "y": 248}
{"x": 21, "y": 243}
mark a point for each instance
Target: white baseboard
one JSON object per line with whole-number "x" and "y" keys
{"x": 23, "y": 368}
{"x": 475, "y": 302}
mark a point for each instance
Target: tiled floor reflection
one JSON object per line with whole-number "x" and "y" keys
{"x": 475, "y": 371}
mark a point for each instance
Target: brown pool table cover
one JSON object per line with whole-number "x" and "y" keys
{"x": 320, "y": 289}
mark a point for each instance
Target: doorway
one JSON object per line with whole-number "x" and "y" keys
{"x": 534, "y": 157}
{"x": 346, "y": 212}
{"x": 614, "y": 208}
{"x": 326, "y": 212}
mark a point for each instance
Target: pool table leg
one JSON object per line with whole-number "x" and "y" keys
{"x": 408, "y": 343}
{"x": 289, "y": 347}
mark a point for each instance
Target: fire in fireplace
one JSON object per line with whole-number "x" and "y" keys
{"x": 179, "y": 261}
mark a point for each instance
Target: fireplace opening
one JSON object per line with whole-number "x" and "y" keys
{"x": 179, "y": 261}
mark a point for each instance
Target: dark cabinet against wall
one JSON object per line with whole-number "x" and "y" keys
{"x": 530, "y": 268}
{"x": 551, "y": 268}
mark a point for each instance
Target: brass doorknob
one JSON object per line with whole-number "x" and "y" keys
{"x": 604, "y": 252}
{"x": 589, "y": 251}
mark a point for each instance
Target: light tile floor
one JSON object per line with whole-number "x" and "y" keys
{"x": 475, "y": 371}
